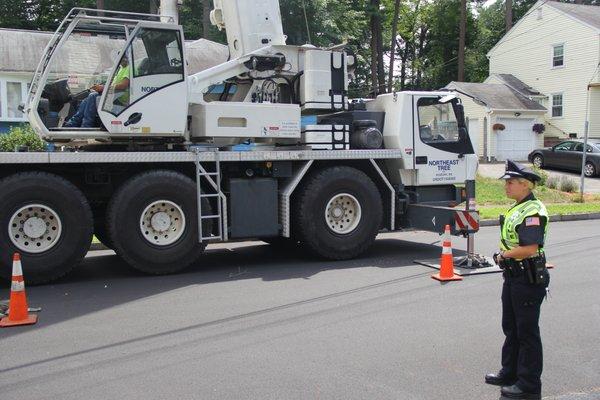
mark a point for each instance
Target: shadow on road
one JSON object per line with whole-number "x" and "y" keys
{"x": 103, "y": 281}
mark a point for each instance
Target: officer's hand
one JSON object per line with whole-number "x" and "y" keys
{"x": 498, "y": 259}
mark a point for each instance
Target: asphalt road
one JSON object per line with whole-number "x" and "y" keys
{"x": 258, "y": 324}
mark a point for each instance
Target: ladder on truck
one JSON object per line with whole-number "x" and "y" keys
{"x": 208, "y": 186}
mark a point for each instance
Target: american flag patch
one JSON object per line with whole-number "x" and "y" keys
{"x": 532, "y": 221}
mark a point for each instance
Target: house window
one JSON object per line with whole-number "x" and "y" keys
{"x": 557, "y": 105}
{"x": 558, "y": 55}
{"x": 14, "y": 97}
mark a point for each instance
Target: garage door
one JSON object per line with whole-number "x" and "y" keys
{"x": 516, "y": 141}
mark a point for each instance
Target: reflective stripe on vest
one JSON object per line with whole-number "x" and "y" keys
{"x": 515, "y": 217}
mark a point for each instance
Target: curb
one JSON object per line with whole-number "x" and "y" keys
{"x": 553, "y": 218}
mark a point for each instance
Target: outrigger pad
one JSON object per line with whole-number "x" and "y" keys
{"x": 480, "y": 265}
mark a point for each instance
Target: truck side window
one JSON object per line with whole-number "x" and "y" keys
{"x": 437, "y": 122}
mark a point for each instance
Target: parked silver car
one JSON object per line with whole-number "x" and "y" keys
{"x": 568, "y": 155}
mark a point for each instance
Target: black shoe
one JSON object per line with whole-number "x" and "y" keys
{"x": 499, "y": 380}
{"x": 515, "y": 392}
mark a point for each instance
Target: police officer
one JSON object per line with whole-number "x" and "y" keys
{"x": 523, "y": 233}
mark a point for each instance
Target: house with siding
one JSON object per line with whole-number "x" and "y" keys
{"x": 550, "y": 57}
{"x": 20, "y": 52}
{"x": 555, "y": 50}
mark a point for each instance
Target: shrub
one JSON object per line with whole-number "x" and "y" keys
{"x": 543, "y": 174}
{"x": 21, "y": 136}
{"x": 567, "y": 184}
{"x": 552, "y": 182}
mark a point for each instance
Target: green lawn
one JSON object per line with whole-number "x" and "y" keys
{"x": 492, "y": 201}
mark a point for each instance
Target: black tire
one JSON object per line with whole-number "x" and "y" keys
{"x": 590, "y": 170}
{"x": 126, "y": 208}
{"x": 309, "y": 213}
{"x": 73, "y": 210}
{"x": 540, "y": 160}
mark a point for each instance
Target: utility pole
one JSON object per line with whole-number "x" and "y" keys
{"x": 462, "y": 40}
{"x": 509, "y": 15}
{"x": 393, "y": 49}
{"x": 206, "y": 9}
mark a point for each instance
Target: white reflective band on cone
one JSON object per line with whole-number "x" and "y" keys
{"x": 17, "y": 286}
{"x": 447, "y": 250}
{"x": 17, "y": 269}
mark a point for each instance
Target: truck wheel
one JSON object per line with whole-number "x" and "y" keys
{"x": 338, "y": 213}
{"x": 152, "y": 221}
{"x": 47, "y": 220}
{"x": 538, "y": 161}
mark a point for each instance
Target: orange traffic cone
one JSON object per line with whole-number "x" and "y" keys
{"x": 447, "y": 262}
{"x": 18, "y": 309}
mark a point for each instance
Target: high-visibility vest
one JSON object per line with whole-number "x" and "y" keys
{"x": 515, "y": 217}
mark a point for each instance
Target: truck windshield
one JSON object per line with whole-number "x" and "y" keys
{"x": 86, "y": 58}
{"x": 437, "y": 122}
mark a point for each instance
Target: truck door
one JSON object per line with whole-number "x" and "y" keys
{"x": 441, "y": 141}
{"x": 147, "y": 91}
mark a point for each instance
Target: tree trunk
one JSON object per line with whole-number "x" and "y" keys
{"x": 206, "y": 9}
{"x": 374, "y": 46}
{"x": 100, "y": 4}
{"x": 380, "y": 63}
{"x": 404, "y": 58}
{"x": 509, "y": 15}
{"x": 421, "y": 47}
{"x": 461, "y": 42}
{"x": 393, "y": 49}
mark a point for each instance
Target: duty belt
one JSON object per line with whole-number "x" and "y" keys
{"x": 516, "y": 268}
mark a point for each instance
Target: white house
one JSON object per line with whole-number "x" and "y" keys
{"x": 20, "y": 52}
{"x": 500, "y": 120}
{"x": 555, "y": 49}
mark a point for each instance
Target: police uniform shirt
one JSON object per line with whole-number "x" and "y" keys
{"x": 531, "y": 230}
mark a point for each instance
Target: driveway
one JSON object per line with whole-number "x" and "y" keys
{"x": 592, "y": 185}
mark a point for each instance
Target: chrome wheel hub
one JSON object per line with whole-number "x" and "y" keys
{"x": 343, "y": 213}
{"x": 162, "y": 223}
{"x": 35, "y": 228}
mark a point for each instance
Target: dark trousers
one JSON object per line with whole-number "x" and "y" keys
{"x": 522, "y": 350}
{"x": 86, "y": 115}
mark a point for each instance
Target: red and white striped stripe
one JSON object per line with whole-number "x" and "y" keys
{"x": 467, "y": 220}
{"x": 18, "y": 283}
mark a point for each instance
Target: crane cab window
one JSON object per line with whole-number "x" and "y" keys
{"x": 437, "y": 121}
{"x": 155, "y": 57}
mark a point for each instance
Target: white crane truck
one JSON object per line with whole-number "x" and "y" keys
{"x": 266, "y": 145}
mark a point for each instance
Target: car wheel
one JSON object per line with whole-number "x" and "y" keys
{"x": 47, "y": 220}
{"x": 338, "y": 213}
{"x": 589, "y": 170}
{"x": 538, "y": 161}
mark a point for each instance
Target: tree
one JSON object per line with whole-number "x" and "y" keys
{"x": 393, "y": 45}
{"x": 461, "y": 40}
{"x": 509, "y": 15}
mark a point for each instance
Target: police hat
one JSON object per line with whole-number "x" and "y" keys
{"x": 516, "y": 170}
